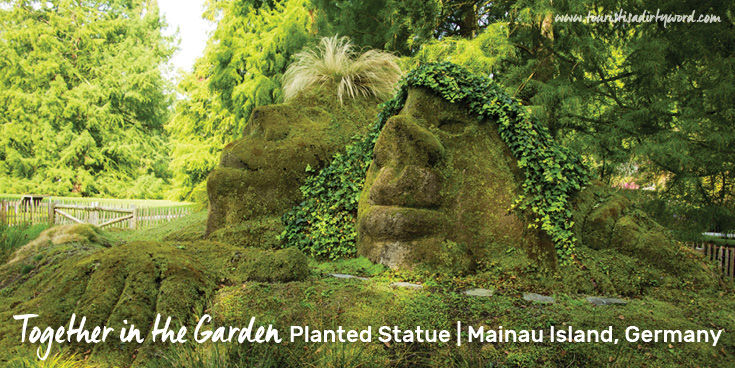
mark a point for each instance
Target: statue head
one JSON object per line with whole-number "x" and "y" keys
{"x": 440, "y": 189}
{"x": 260, "y": 174}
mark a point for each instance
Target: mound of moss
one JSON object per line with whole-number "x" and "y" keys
{"x": 74, "y": 270}
{"x": 261, "y": 233}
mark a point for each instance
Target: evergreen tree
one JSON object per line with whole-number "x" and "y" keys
{"x": 82, "y": 99}
{"x": 199, "y": 130}
{"x": 251, "y": 48}
{"x": 655, "y": 97}
{"x": 241, "y": 69}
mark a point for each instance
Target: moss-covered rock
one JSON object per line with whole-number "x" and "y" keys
{"x": 610, "y": 223}
{"x": 260, "y": 174}
{"x": 438, "y": 196}
{"x": 284, "y": 265}
{"x": 52, "y": 242}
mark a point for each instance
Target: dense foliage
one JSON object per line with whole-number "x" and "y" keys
{"x": 651, "y": 104}
{"x": 404, "y": 26}
{"x": 82, "y": 98}
{"x": 198, "y": 130}
{"x": 251, "y": 48}
{"x": 323, "y": 224}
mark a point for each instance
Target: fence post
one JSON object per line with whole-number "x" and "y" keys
{"x": 94, "y": 214}
{"x": 51, "y": 213}
{"x": 134, "y": 220}
{"x": 720, "y": 258}
{"x": 2, "y": 213}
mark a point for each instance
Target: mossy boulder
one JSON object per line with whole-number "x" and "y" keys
{"x": 260, "y": 232}
{"x": 608, "y": 221}
{"x": 260, "y": 174}
{"x": 284, "y": 265}
{"x": 440, "y": 192}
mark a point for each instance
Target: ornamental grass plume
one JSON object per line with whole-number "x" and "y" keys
{"x": 373, "y": 72}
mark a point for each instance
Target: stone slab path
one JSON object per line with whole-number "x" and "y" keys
{"x": 479, "y": 292}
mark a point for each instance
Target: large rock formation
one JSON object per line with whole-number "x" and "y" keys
{"x": 259, "y": 175}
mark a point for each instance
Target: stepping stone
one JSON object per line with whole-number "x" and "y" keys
{"x": 605, "y": 301}
{"x": 407, "y": 285}
{"x": 533, "y": 297}
{"x": 478, "y": 292}
{"x": 343, "y": 276}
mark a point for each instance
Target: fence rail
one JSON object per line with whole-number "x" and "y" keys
{"x": 65, "y": 212}
{"x": 722, "y": 255}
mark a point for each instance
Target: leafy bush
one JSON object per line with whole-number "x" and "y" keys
{"x": 324, "y": 224}
{"x": 370, "y": 73}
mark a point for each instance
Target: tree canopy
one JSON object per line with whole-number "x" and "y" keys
{"x": 82, "y": 98}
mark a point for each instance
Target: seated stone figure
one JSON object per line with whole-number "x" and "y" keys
{"x": 441, "y": 179}
{"x": 259, "y": 175}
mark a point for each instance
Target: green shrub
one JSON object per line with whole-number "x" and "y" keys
{"x": 370, "y": 73}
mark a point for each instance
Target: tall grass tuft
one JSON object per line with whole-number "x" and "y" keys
{"x": 372, "y": 73}
{"x": 14, "y": 237}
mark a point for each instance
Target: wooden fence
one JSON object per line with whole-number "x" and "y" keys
{"x": 722, "y": 255}
{"x": 63, "y": 212}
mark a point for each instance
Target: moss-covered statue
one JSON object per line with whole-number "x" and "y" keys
{"x": 441, "y": 184}
{"x": 461, "y": 176}
{"x": 259, "y": 175}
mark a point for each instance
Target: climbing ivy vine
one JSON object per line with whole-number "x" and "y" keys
{"x": 324, "y": 224}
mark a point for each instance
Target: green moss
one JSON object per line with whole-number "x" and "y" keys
{"x": 475, "y": 181}
{"x": 187, "y": 228}
{"x": 132, "y": 282}
{"x": 630, "y": 252}
{"x": 284, "y": 265}
{"x": 360, "y": 266}
{"x": 352, "y": 304}
{"x": 56, "y": 241}
{"x": 257, "y": 233}
{"x": 260, "y": 174}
